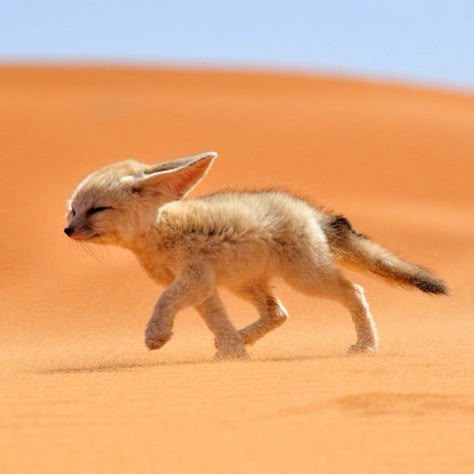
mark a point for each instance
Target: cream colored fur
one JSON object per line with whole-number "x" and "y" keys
{"x": 239, "y": 240}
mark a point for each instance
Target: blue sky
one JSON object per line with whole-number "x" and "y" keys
{"x": 410, "y": 40}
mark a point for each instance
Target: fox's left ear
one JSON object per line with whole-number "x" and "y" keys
{"x": 176, "y": 177}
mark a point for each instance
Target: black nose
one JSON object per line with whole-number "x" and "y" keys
{"x": 68, "y": 231}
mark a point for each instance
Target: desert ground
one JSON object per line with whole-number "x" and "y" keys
{"x": 79, "y": 391}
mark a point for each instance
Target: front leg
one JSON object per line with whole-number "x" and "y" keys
{"x": 191, "y": 287}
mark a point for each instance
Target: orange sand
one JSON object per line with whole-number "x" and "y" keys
{"x": 79, "y": 391}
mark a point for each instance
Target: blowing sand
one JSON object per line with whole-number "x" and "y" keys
{"x": 79, "y": 392}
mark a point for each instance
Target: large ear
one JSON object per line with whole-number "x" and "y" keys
{"x": 176, "y": 177}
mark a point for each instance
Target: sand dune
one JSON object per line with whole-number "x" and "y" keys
{"x": 80, "y": 393}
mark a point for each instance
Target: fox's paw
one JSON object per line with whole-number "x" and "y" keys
{"x": 237, "y": 353}
{"x": 158, "y": 343}
{"x": 361, "y": 349}
{"x": 246, "y": 337}
{"x": 156, "y": 338}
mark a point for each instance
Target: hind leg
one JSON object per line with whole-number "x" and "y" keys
{"x": 228, "y": 341}
{"x": 353, "y": 297}
{"x": 332, "y": 284}
{"x": 272, "y": 313}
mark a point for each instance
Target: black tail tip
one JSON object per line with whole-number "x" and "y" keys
{"x": 430, "y": 285}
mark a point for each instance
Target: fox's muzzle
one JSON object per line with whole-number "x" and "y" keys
{"x": 77, "y": 234}
{"x": 80, "y": 232}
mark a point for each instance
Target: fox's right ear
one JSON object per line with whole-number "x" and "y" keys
{"x": 175, "y": 178}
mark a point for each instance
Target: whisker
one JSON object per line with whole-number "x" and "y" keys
{"x": 97, "y": 252}
{"x": 83, "y": 247}
{"x": 93, "y": 250}
{"x": 88, "y": 250}
{"x": 107, "y": 251}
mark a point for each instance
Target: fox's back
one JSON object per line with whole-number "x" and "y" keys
{"x": 268, "y": 214}
{"x": 242, "y": 232}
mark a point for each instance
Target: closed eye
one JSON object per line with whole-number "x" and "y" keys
{"x": 95, "y": 210}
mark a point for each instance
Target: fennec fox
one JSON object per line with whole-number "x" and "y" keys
{"x": 239, "y": 240}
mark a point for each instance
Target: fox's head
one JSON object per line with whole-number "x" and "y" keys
{"x": 115, "y": 204}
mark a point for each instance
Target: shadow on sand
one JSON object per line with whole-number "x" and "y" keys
{"x": 119, "y": 366}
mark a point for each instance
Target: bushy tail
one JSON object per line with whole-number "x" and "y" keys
{"x": 357, "y": 250}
